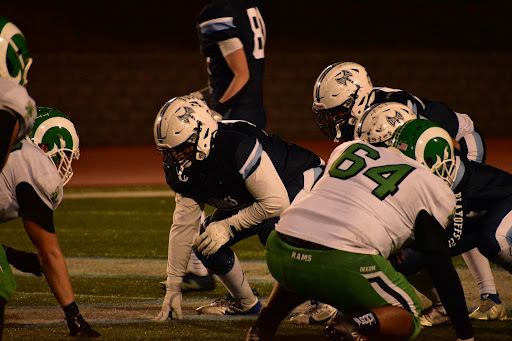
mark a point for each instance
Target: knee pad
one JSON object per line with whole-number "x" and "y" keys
{"x": 219, "y": 263}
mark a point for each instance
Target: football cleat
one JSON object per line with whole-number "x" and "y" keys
{"x": 489, "y": 310}
{"x": 192, "y": 282}
{"x": 316, "y": 313}
{"x": 339, "y": 330}
{"x": 434, "y": 316}
{"x": 228, "y": 306}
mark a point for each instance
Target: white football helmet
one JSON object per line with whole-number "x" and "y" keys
{"x": 340, "y": 95}
{"x": 184, "y": 130}
{"x": 56, "y": 135}
{"x": 380, "y": 121}
{"x": 15, "y": 59}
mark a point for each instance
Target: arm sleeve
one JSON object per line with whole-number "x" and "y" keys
{"x": 271, "y": 196}
{"x": 230, "y": 45}
{"x": 32, "y": 207}
{"x": 186, "y": 221}
{"x": 431, "y": 240}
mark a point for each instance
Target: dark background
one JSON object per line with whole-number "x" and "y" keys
{"x": 110, "y": 65}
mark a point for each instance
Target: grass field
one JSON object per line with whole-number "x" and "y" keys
{"x": 117, "y": 248}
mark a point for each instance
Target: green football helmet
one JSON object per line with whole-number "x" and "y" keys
{"x": 56, "y": 135}
{"x": 429, "y": 144}
{"x": 15, "y": 59}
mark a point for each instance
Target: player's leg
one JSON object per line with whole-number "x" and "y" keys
{"x": 490, "y": 307}
{"x": 356, "y": 283}
{"x": 226, "y": 266}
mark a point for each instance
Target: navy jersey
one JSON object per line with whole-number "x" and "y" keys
{"x": 479, "y": 188}
{"x": 225, "y": 19}
{"x": 220, "y": 179}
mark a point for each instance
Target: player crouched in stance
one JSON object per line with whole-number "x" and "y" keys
{"x": 31, "y": 187}
{"x": 247, "y": 175}
{"x": 369, "y": 203}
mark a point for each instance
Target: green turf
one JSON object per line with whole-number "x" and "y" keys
{"x": 138, "y": 228}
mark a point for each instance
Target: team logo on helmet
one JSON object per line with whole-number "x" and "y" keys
{"x": 185, "y": 118}
{"x": 395, "y": 119}
{"x": 343, "y": 79}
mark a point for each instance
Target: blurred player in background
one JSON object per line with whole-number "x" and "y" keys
{"x": 17, "y": 109}
{"x": 333, "y": 244}
{"x": 249, "y": 176}
{"x": 341, "y": 94}
{"x": 31, "y": 187}
{"x": 232, "y": 38}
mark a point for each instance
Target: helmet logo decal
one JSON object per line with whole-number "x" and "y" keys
{"x": 185, "y": 118}
{"x": 343, "y": 79}
{"x": 395, "y": 119}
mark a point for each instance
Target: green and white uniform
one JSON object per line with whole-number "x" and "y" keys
{"x": 363, "y": 208}
{"x": 28, "y": 164}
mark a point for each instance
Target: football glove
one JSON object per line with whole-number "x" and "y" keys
{"x": 215, "y": 235}
{"x": 23, "y": 261}
{"x": 172, "y": 302}
{"x": 79, "y": 327}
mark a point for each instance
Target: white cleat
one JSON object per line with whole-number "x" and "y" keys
{"x": 489, "y": 310}
{"x": 434, "y": 316}
{"x": 315, "y": 314}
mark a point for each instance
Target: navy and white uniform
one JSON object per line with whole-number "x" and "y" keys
{"x": 459, "y": 126}
{"x": 222, "y": 21}
{"x": 484, "y": 215}
{"x": 482, "y": 218}
{"x": 250, "y": 177}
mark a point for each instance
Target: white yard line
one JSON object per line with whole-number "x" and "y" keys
{"x": 121, "y": 194}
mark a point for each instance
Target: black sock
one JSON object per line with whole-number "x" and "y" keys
{"x": 366, "y": 321}
{"x": 71, "y": 310}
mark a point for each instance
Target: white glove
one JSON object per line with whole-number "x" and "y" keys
{"x": 215, "y": 235}
{"x": 172, "y": 302}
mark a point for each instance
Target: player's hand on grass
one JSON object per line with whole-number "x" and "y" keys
{"x": 215, "y": 235}
{"x": 79, "y": 327}
{"x": 172, "y": 303}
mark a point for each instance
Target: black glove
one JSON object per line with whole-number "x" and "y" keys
{"x": 24, "y": 261}
{"x": 79, "y": 327}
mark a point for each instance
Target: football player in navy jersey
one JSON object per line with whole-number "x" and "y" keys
{"x": 232, "y": 38}
{"x": 341, "y": 94}
{"x": 247, "y": 175}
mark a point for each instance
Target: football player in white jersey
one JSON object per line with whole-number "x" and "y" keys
{"x": 17, "y": 113}
{"x": 342, "y": 93}
{"x": 31, "y": 187}
{"x": 376, "y": 126}
{"x": 333, "y": 244}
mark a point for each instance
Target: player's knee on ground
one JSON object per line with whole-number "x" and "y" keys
{"x": 219, "y": 263}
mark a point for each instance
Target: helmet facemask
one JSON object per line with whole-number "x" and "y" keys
{"x": 333, "y": 120}
{"x": 62, "y": 158}
{"x": 183, "y": 156}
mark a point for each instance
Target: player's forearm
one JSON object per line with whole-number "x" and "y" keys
{"x": 57, "y": 276}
